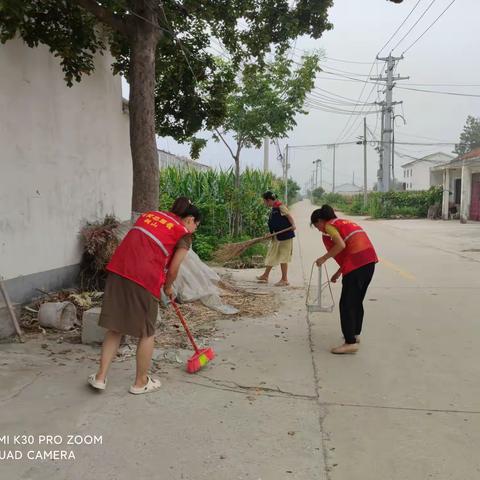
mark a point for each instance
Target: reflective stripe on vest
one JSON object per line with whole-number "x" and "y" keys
{"x": 353, "y": 233}
{"x": 154, "y": 238}
{"x": 364, "y": 251}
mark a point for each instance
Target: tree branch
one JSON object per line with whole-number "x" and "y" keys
{"x": 225, "y": 142}
{"x": 105, "y": 16}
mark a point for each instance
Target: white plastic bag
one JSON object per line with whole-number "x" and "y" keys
{"x": 197, "y": 281}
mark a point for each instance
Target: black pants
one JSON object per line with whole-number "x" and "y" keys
{"x": 354, "y": 289}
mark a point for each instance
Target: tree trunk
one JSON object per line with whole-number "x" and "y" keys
{"x": 143, "y": 145}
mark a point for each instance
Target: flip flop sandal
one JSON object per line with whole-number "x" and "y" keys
{"x": 261, "y": 280}
{"x": 153, "y": 384}
{"x": 282, "y": 284}
{"x": 93, "y": 382}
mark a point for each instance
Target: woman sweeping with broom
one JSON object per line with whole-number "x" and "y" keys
{"x": 351, "y": 248}
{"x": 145, "y": 262}
{"x": 281, "y": 246}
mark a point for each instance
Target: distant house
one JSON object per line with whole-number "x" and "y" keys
{"x": 417, "y": 173}
{"x": 348, "y": 189}
{"x": 167, "y": 159}
{"x": 461, "y": 186}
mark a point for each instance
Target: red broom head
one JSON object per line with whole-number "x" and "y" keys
{"x": 200, "y": 359}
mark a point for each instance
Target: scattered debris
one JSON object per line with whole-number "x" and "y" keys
{"x": 169, "y": 334}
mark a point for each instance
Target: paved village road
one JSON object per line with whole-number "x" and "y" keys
{"x": 275, "y": 404}
{"x": 407, "y": 406}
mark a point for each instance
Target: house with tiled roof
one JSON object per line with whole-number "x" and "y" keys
{"x": 461, "y": 187}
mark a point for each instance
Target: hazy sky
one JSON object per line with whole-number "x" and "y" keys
{"x": 447, "y": 54}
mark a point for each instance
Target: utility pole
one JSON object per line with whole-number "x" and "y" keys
{"x": 364, "y": 161}
{"x": 266, "y": 142}
{"x": 333, "y": 181}
{"x": 363, "y": 141}
{"x": 393, "y": 145}
{"x": 387, "y": 113}
{"x": 316, "y": 162}
{"x": 321, "y": 174}
{"x": 380, "y": 150}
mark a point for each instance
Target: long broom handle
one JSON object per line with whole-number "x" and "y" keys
{"x": 11, "y": 311}
{"x": 270, "y": 235}
{"x": 185, "y": 326}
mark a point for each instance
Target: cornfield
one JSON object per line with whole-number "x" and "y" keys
{"x": 214, "y": 194}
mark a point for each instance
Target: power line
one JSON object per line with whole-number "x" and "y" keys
{"x": 400, "y": 26}
{"x": 414, "y": 25}
{"x": 345, "y": 71}
{"x": 357, "y": 80}
{"x": 334, "y": 94}
{"x": 309, "y": 104}
{"x": 422, "y": 90}
{"x": 430, "y": 26}
{"x": 344, "y": 130}
{"x": 347, "y": 61}
{"x": 445, "y": 84}
{"x": 362, "y": 111}
{"x": 458, "y": 94}
{"x": 318, "y": 145}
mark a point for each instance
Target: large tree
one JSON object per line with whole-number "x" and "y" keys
{"x": 176, "y": 87}
{"x": 470, "y": 137}
{"x": 264, "y": 103}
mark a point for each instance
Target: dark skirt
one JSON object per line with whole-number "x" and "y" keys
{"x": 128, "y": 308}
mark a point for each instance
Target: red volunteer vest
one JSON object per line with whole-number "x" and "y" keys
{"x": 359, "y": 250}
{"x": 145, "y": 252}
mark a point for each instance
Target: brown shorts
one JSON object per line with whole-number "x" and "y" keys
{"x": 128, "y": 308}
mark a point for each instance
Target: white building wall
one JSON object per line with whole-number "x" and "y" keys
{"x": 417, "y": 176}
{"x": 65, "y": 158}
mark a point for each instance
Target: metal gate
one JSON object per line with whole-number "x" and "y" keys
{"x": 475, "y": 200}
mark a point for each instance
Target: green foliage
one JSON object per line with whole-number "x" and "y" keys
{"x": 293, "y": 191}
{"x": 260, "y": 249}
{"x": 191, "y": 85}
{"x": 267, "y": 99}
{"x": 334, "y": 199}
{"x": 470, "y": 137}
{"x": 317, "y": 194}
{"x": 213, "y": 193}
{"x": 204, "y": 245}
{"x": 386, "y": 204}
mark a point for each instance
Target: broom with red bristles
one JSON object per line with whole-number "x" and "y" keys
{"x": 201, "y": 356}
{"x": 231, "y": 250}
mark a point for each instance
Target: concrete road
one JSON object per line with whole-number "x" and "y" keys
{"x": 276, "y": 404}
{"x": 407, "y": 406}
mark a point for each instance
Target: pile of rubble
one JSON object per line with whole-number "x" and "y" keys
{"x": 71, "y": 316}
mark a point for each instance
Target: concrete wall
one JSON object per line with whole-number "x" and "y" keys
{"x": 167, "y": 159}
{"x": 65, "y": 159}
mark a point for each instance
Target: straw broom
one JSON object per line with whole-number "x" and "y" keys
{"x": 231, "y": 250}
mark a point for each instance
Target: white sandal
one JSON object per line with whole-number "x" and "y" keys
{"x": 93, "y": 382}
{"x": 153, "y": 384}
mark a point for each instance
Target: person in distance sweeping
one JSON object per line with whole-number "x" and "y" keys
{"x": 351, "y": 248}
{"x": 147, "y": 260}
{"x": 281, "y": 246}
